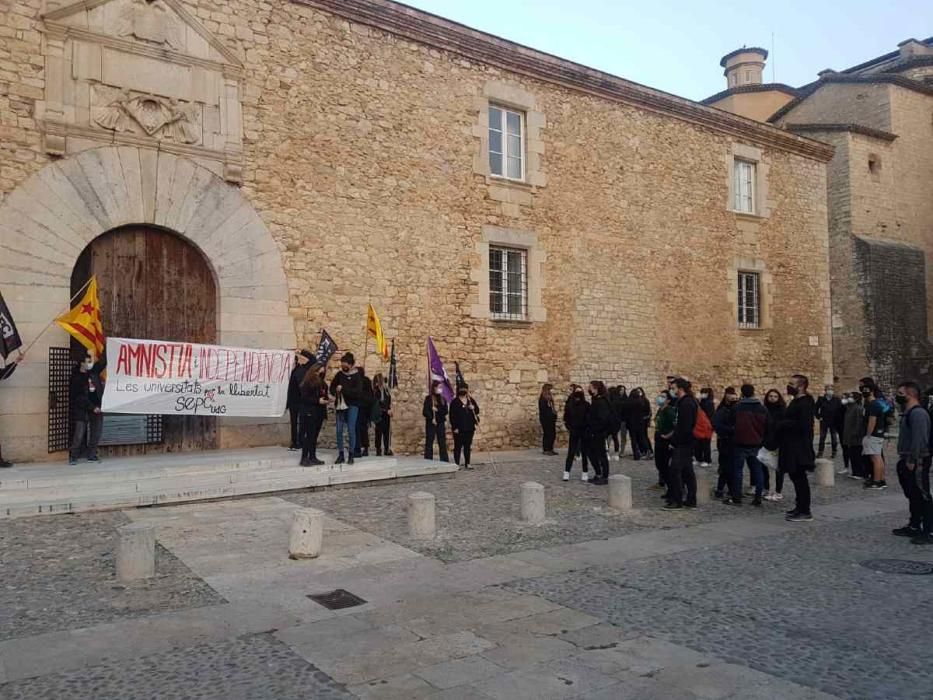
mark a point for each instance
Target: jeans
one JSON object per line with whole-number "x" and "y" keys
{"x": 549, "y": 430}
{"x": 662, "y": 458}
{"x": 916, "y": 487}
{"x": 802, "y": 487}
{"x": 435, "y": 432}
{"x": 90, "y": 428}
{"x": 681, "y": 476}
{"x": 383, "y": 432}
{"x": 749, "y": 455}
{"x": 346, "y": 420}
{"x": 826, "y": 427}
{"x": 463, "y": 442}
{"x": 598, "y": 455}
{"x": 577, "y": 447}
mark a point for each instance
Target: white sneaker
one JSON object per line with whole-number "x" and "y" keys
{"x": 749, "y": 492}
{"x": 777, "y": 497}
{"x": 842, "y": 471}
{"x": 585, "y": 476}
{"x": 566, "y": 476}
{"x": 705, "y": 464}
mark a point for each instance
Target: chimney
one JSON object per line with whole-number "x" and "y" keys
{"x": 744, "y": 66}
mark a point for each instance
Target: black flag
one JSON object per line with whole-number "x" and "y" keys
{"x": 326, "y": 348}
{"x": 393, "y": 369}
{"x": 458, "y": 378}
{"x": 9, "y": 336}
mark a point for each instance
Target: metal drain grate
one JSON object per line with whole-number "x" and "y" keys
{"x": 899, "y": 566}
{"x": 337, "y": 600}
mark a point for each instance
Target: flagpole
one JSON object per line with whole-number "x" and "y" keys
{"x": 52, "y": 322}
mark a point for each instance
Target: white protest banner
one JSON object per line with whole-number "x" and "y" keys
{"x": 187, "y": 379}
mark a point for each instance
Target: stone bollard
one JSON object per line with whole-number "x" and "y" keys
{"x": 704, "y": 490}
{"x": 825, "y": 472}
{"x": 533, "y": 510}
{"x": 307, "y": 534}
{"x": 421, "y": 521}
{"x": 136, "y": 552}
{"x": 620, "y": 492}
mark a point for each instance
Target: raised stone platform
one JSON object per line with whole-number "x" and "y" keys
{"x": 128, "y": 482}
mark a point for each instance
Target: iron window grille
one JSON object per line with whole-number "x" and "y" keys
{"x": 508, "y": 283}
{"x": 749, "y": 300}
{"x": 506, "y": 143}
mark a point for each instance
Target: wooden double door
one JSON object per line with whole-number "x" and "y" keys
{"x": 155, "y": 285}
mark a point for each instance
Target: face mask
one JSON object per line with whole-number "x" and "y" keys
{"x": 829, "y": 394}
{"x": 846, "y": 402}
{"x": 792, "y": 390}
{"x": 661, "y": 401}
{"x": 578, "y": 394}
{"x": 88, "y": 365}
{"x": 438, "y": 391}
{"x": 901, "y": 400}
{"x": 704, "y": 396}
{"x": 865, "y": 391}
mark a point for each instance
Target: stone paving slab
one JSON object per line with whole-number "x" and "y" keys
{"x": 58, "y": 573}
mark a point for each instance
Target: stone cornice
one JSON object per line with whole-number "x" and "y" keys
{"x": 455, "y": 38}
{"x": 852, "y": 128}
{"x": 740, "y": 89}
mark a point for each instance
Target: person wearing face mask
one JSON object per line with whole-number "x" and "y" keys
{"x": 681, "y": 475}
{"x": 751, "y": 420}
{"x": 795, "y": 454}
{"x": 776, "y": 406}
{"x": 435, "y": 422}
{"x": 702, "y": 453}
{"x": 547, "y": 417}
{"x": 663, "y": 429}
{"x": 617, "y": 403}
{"x": 293, "y": 402}
{"x": 828, "y": 408}
{"x": 724, "y": 426}
{"x": 853, "y": 432}
{"x": 575, "y": 419}
{"x": 598, "y": 426}
{"x": 913, "y": 466}
{"x": 464, "y": 417}
{"x": 347, "y": 389}
{"x": 637, "y": 418}
{"x": 86, "y": 392}
{"x": 313, "y": 407}
{"x": 878, "y": 414}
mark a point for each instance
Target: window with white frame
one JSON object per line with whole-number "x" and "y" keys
{"x": 749, "y": 300}
{"x": 508, "y": 283}
{"x": 506, "y": 143}
{"x": 743, "y": 194}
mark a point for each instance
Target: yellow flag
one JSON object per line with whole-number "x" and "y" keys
{"x": 374, "y": 328}
{"x": 84, "y": 322}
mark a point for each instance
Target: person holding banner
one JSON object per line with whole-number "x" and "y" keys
{"x": 314, "y": 400}
{"x": 294, "y": 400}
{"x": 435, "y": 422}
{"x": 384, "y": 426}
{"x": 347, "y": 389}
{"x": 86, "y": 393}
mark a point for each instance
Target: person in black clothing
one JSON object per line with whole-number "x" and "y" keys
{"x": 575, "y": 417}
{"x": 5, "y": 373}
{"x": 598, "y": 425}
{"x": 637, "y": 417}
{"x": 795, "y": 454}
{"x": 664, "y": 421}
{"x": 621, "y": 410}
{"x": 547, "y": 416}
{"x": 384, "y": 427}
{"x": 776, "y": 406}
{"x": 464, "y": 417}
{"x": 347, "y": 389}
{"x": 86, "y": 392}
{"x": 681, "y": 471}
{"x": 364, "y": 416}
{"x": 828, "y": 412}
{"x": 314, "y": 400}
{"x": 435, "y": 423}
{"x": 616, "y": 403}
{"x": 293, "y": 402}
{"x": 702, "y": 452}
{"x": 724, "y": 425}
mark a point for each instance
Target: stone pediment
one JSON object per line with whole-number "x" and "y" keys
{"x": 143, "y": 73}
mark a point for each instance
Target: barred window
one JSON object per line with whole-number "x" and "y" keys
{"x": 508, "y": 283}
{"x": 744, "y": 186}
{"x": 749, "y": 300}
{"x": 506, "y": 143}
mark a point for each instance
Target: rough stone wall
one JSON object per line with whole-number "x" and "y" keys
{"x": 359, "y": 152}
{"x": 845, "y": 103}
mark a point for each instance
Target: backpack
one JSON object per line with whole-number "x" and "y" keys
{"x": 703, "y": 429}
{"x": 890, "y": 415}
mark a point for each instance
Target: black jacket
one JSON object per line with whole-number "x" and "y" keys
{"x": 352, "y": 384}
{"x": 429, "y": 410}
{"x": 618, "y": 412}
{"x": 636, "y": 410}
{"x": 828, "y": 410}
{"x": 775, "y": 416}
{"x": 575, "y": 412}
{"x": 385, "y": 401}
{"x": 309, "y": 398}
{"x": 687, "y": 408}
{"x": 599, "y": 418}
{"x": 293, "y": 401}
{"x": 546, "y": 413}
{"x": 464, "y": 419}
{"x": 708, "y": 407}
{"x": 82, "y": 399}
{"x": 724, "y": 422}
{"x": 795, "y": 434}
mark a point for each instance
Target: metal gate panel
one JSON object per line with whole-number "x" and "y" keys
{"x": 60, "y": 365}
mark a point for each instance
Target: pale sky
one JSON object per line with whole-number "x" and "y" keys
{"x": 675, "y": 45}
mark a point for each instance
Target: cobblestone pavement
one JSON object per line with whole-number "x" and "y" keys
{"x": 478, "y": 511}
{"x": 57, "y": 573}
{"x": 797, "y": 606}
{"x": 246, "y": 668}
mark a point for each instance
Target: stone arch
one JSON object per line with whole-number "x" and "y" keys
{"x": 47, "y": 222}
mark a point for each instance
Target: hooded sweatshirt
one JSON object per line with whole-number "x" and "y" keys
{"x": 751, "y": 419}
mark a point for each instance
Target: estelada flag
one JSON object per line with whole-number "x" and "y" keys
{"x": 374, "y": 328}
{"x": 83, "y": 321}
{"x": 9, "y": 336}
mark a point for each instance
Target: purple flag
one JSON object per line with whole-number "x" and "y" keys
{"x": 437, "y": 373}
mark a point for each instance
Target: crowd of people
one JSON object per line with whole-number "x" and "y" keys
{"x": 773, "y": 438}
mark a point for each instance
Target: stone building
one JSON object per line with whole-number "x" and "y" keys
{"x": 877, "y": 116}
{"x": 250, "y": 171}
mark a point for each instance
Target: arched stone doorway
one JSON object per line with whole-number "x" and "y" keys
{"x": 155, "y": 285}
{"x": 47, "y": 223}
